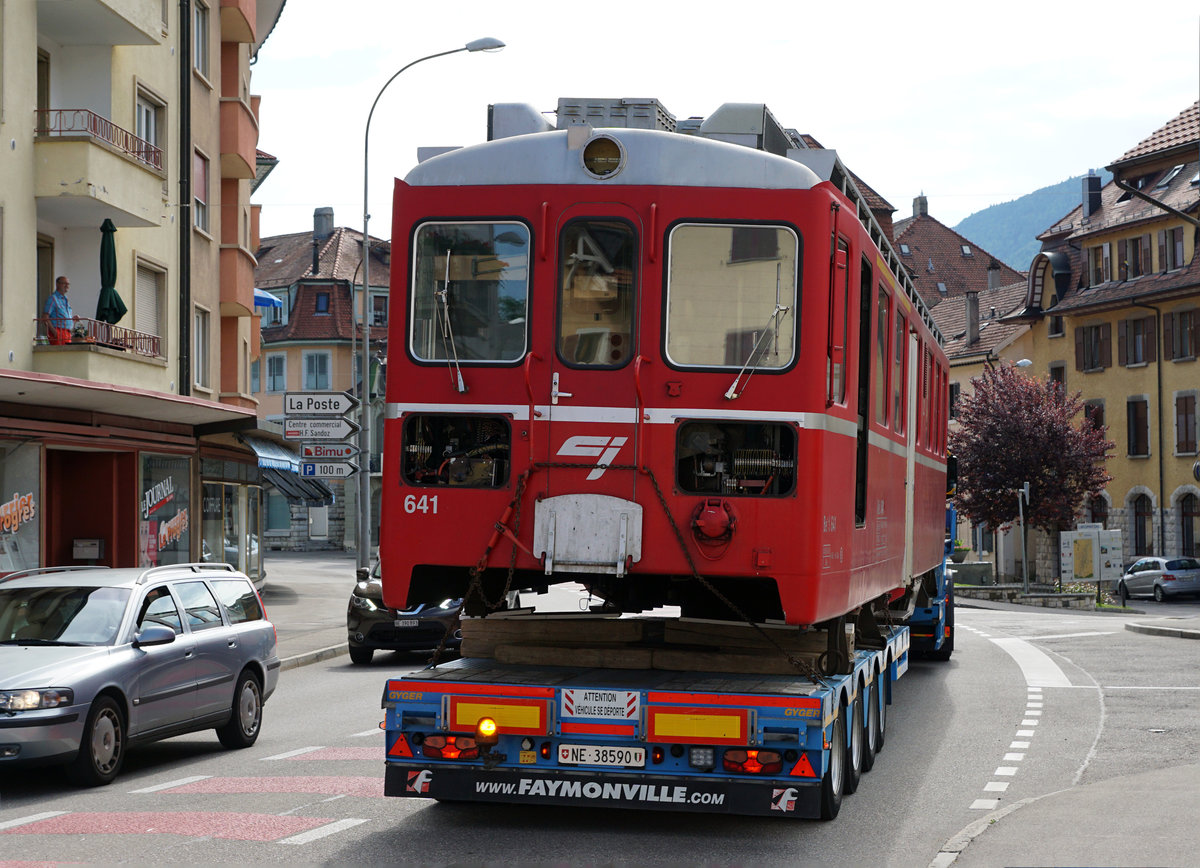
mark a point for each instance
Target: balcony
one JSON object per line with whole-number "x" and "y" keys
{"x": 100, "y": 22}
{"x": 237, "y": 281}
{"x": 87, "y": 167}
{"x": 239, "y": 20}
{"x": 102, "y": 353}
{"x": 239, "y": 139}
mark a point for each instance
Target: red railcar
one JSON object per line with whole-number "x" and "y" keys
{"x": 677, "y": 369}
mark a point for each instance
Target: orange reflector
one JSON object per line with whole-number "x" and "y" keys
{"x": 697, "y": 725}
{"x": 803, "y": 768}
{"x": 400, "y": 747}
{"x": 512, "y": 716}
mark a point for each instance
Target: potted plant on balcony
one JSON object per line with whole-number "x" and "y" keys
{"x": 959, "y": 553}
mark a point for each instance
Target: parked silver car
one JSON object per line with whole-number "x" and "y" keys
{"x": 1161, "y": 578}
{"x": 95, "y": 660}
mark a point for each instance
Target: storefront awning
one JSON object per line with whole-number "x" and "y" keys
{"x": 299, "y": 489}
{"x": 280, "y": 467}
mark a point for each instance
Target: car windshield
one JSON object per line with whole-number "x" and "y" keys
{"x": 69, "y": 615}
{"x": 1183, "y": 564}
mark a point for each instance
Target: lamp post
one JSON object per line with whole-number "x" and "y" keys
{"x": 364, "y": 435}
{"x": 1022, "y": 499}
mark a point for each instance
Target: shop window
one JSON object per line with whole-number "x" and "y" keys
{"x": 165, "y": 529}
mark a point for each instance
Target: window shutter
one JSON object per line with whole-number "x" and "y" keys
{"x": 1168, "y": 337}
{"x": 1151, "y": 340}
{"x": 1122, "y": 342}
{"x": 145, "y": 301}
{"x": 1122, "y": 260}
{"x": 1106, "y": 345}
{"x": 1079, "y": 348}
{"x": 1162, "y": 249}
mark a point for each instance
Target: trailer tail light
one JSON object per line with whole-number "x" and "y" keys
{"x": 450, "y": 747}
{"x": 753, "y": 762}
{"x": 703, "y": 758}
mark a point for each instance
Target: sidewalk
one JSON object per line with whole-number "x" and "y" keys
{"x": 306, "y": 597}
{"x": 1180, "y": 628}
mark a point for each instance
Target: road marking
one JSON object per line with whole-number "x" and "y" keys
{"x": 291, "y": 753}
{"x": 1013, "y": 757}
{"x": 1005, "y": 771}
{"x": 984, "y": 804}
{"x": 1033, "y": 712}
{"x": 171, "y": 784}
{"x": 366, "y": 732}
{"x": 1037, "y": 667}
{"x": 1029, "y": 722}
{"x": 1144, "y": 687}
{"x": 322, "y": 831}
{"x": 1071, "y": 635}
{"x": 32, "y": 818}
{"x": 1026, "y": 733}
{"x": 1034, "y": 705}
{"x": 996, "y": 787}
{"x": 1020, "y": 745}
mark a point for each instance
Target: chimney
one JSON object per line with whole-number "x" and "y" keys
{"x": 920, "y": 206}
{"x": 972, "y": 313}
{"x": 322, "y": 229}
{"x": 993, "y": 274}
{"x": 1091, "y": 193}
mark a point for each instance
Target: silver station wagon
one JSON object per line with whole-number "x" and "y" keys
{"x": 94, "y": 660}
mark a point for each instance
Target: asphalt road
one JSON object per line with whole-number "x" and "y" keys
{"x": 1050, "y": 738}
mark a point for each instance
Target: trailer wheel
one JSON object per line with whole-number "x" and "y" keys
{"x": 885, "y": 683}
{"x": 870, "y": 724}
{"x": 835, "y": 776}
{"x": 855, "y": 742}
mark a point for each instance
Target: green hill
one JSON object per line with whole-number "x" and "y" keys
{"x": 1009, "y": 230}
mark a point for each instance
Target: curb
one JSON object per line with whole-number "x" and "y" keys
{"x": 297, "y": 660}
{"x": 1154, "y": 630}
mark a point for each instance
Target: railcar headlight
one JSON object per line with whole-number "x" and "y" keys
{"x": 27, "y": 700}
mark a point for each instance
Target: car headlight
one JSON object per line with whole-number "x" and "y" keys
{"x": 362, "y": 603}
{"x": 27, "y": 700}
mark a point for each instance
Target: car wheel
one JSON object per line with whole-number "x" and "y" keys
{"x": 1122, "y": 593}
{"x": 1159, "y": 596}
{"x": 360, "y": 655}
{"x": 102, "y": 750}
{"x": 245, "y": 721}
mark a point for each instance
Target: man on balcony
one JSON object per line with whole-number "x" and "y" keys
{"x": 58, "y": 314}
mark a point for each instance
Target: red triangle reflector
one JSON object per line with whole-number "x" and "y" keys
{"x": 400, "y": 747}
{"x": 803, "y": 768}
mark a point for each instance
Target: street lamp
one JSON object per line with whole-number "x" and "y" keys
{"x": 364, "y": 435}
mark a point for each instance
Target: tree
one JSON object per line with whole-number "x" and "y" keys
{"x": 1016, "y": 429}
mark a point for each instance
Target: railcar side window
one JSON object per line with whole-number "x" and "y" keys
{"x": 596, "y": 283}
{"x": 470, "y": 292}
{"x": 731, "y": 296}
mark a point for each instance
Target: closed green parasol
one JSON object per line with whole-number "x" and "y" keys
{"x": 109, "y": 308}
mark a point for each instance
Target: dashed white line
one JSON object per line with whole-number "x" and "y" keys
{"x": 322, "y": 831}
{"x": 995, "y": 787}
{"x": 984, "y": 804}
{"x": 1029, "y": 722}
{"x": 32, "y": 818}
{"x": 1019, "y": 745}
{"x": 366, "y": 732}
{"x": 1005, "y": 771}
{"x": 1014, "y": 757}
{"x": 291, "y": 753}
{"x": 171, "y": 784}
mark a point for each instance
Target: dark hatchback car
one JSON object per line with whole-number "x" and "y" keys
{"x": 371, "y": 626}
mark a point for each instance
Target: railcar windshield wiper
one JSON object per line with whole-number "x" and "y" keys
{"x": 448, "y": 341}
{"x": 770, "y": 329}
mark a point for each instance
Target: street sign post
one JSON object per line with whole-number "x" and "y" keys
{"x": 328, "y": 469}
{"x": 318, "y": 403}
{"x": 318, "y": 428}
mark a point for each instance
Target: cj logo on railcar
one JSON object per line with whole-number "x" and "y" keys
{"x": 603, "y": 449}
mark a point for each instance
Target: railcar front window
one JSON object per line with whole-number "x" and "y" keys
{"x": 596, "y": 281}
{"x": 731, "y": 296}
{"x": 470, "y": 292}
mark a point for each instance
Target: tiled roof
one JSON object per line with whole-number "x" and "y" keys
{"x": 1117, "y": 293}
{"x": 936, "y": 256}
{"x": 1183, "y": 129}
{"x": 994, "y": 332}
{"x": 285, "y": 259}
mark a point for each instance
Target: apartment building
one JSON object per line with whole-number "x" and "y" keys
{"x": 1114, "y": 300}
{"x": 130, "y": 137}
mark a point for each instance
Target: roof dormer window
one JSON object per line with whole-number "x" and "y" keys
{"x": 1169, "y": 177}
{"x": 966, "y": 250}
{"x": 941, "y": 288}
{"x": 904, "y": 250}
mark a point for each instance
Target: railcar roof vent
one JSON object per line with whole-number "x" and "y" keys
{"x": 507, "y": 119}
{"x": 747, "y": 123}
{"x": 638, "y": 114}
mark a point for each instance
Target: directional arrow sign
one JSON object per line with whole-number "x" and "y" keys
{"x": 328, "y": 469}
{"x": 319, "y": 428}
{"x": 318, "y": 403}
{"x": 328, "y": 450}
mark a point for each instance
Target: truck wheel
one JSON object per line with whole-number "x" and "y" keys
{"x": 870, "y": 724}
{"x": 885, "y": 680}
{"x": 102, "y": 748}
{"x": 245, "y": 719}
{"x": 835, "y": 775}
{"x": 855, "y": 742}
{"x": 360, "y": 655}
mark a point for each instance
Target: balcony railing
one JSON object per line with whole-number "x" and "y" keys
{"x": 83, "y": 332}
{"x": 73, "y": 122}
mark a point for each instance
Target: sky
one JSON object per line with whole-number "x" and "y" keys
{"x": 970, "y": 104}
